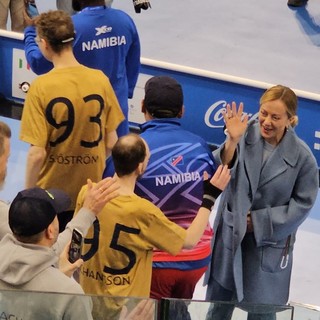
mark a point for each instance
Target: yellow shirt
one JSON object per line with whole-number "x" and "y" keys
{"x": 69, "y": 112}
{"x": 118, "y": 248}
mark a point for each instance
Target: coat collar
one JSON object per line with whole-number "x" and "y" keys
{"x": 285, "y": 154}
{"x": 160, "y": 123}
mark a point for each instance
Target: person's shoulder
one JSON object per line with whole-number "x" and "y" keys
{"x": 94, "y": 72}
{"x": 4, "y": 206}
{"x": 191, "y": 135}
{"x": 121, "y": 16}
{"x": 147, "y": 204}
{"x": 151, "y": 133}
{"x": 57, "y": 281}
{"x": 118, "y": 12}
{"x": 305, "y": 149}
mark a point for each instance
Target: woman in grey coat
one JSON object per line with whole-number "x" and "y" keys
{"x": 274, "y": 185}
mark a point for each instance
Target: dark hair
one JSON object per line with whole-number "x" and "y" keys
{"x": 28, "y": 213}
{"x": 34, "y": 209}
{"x": 163, "y": 97}
{"x": 128, "y": 152}
{"x": 5, "y": 132}
{"x": 57, "y": 28}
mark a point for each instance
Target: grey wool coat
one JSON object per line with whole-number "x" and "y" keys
{"x": 279, "y": 195}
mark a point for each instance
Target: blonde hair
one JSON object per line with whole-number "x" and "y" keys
{"x": 287, "y": 96}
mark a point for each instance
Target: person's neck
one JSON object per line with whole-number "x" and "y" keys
{"x": 44, "y": 242}
{"x": 93, "y": 4}
{"x": 127, "y": 184}
{"x": 65, "y": 60}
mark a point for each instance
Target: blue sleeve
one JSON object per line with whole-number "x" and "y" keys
{"x": 109, "y": 170}
{"x": 133, "y": 62}
{"x": 38, "y": 63}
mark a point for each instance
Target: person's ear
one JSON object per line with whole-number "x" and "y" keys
{"x": 143, "y": 108}
{"x": 45, "y": 43}
{"x": 181, "y": 113}
{"x": 140, "y": 169}
{"x": 50, "y": 231}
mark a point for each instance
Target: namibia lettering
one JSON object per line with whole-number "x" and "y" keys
{"x": 104, "y": 43}
{"x": 177, "y": 178}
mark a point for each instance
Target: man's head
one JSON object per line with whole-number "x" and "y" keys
{"x": 54, "y": 28}
{"x": 5, "y": 135}
{"x": 78, "y": 5}
{"x": 130, "y": 154}
{"x": 163, "y": 98}
{"x": 34, "y": 211}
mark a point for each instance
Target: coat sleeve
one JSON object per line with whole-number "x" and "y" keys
{"x": 38, "y": 63}
{"x": 272, "y": 224}
{"x": 133, "y": 62}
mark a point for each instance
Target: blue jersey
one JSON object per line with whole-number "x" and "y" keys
{"x": 106, "y": 39}
{"x": 173, "y": 181}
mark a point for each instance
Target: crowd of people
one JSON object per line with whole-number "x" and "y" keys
{"x": 144, "y": 238}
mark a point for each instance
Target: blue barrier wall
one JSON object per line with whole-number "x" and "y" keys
{"x": 206, "y": 94}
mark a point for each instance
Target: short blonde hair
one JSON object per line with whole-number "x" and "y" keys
{"x": 287, "y": 96}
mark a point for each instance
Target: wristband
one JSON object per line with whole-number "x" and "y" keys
{"x": 210, "y": 194}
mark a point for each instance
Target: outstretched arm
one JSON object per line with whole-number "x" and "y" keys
{"x": 95, "y": 197}
{"x": 212, "y": 190}
{"x": 38, "y": 63}
{"x": 236, "y": 125}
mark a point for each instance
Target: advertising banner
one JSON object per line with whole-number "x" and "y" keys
{"x": 205, "y": 95}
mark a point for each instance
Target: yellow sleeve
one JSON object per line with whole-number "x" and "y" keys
{"x": 80, "y": 199}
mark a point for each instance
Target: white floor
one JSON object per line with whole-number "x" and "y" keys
{"x": 259, "y": 40}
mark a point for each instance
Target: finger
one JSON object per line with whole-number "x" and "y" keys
{"x": 107, "y": 185}
{"x": 110, "y": 184}
{"x": 217, "y": 173}
{"x": 138, "y": 309}
{"x": 90, "y": 184}
{"x": 110, "y": 192}
{"x": 105, "y": 182}
{"x": 65, "y": 251}
{"x": 77, "y": 264}
{"x": 240, "y": 110}
{"x": 225, "y": 172}
{"x": 234, "y": 109}
{"x": 245, "y": 119}
{"x": 111, "y": 196}
{"x": 149, "y": 310}
{"x": 205, "y": 175}
{"x": 123, "y": 313}
{"x": 225, "y": 176}
{"x": 66, "y": 248}
{"x": 221, "y": 177}
{"x": 229, "y": 111}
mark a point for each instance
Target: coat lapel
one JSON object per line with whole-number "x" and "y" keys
{"x": 253, "y": 157}
{"x": 285, "y": 154}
